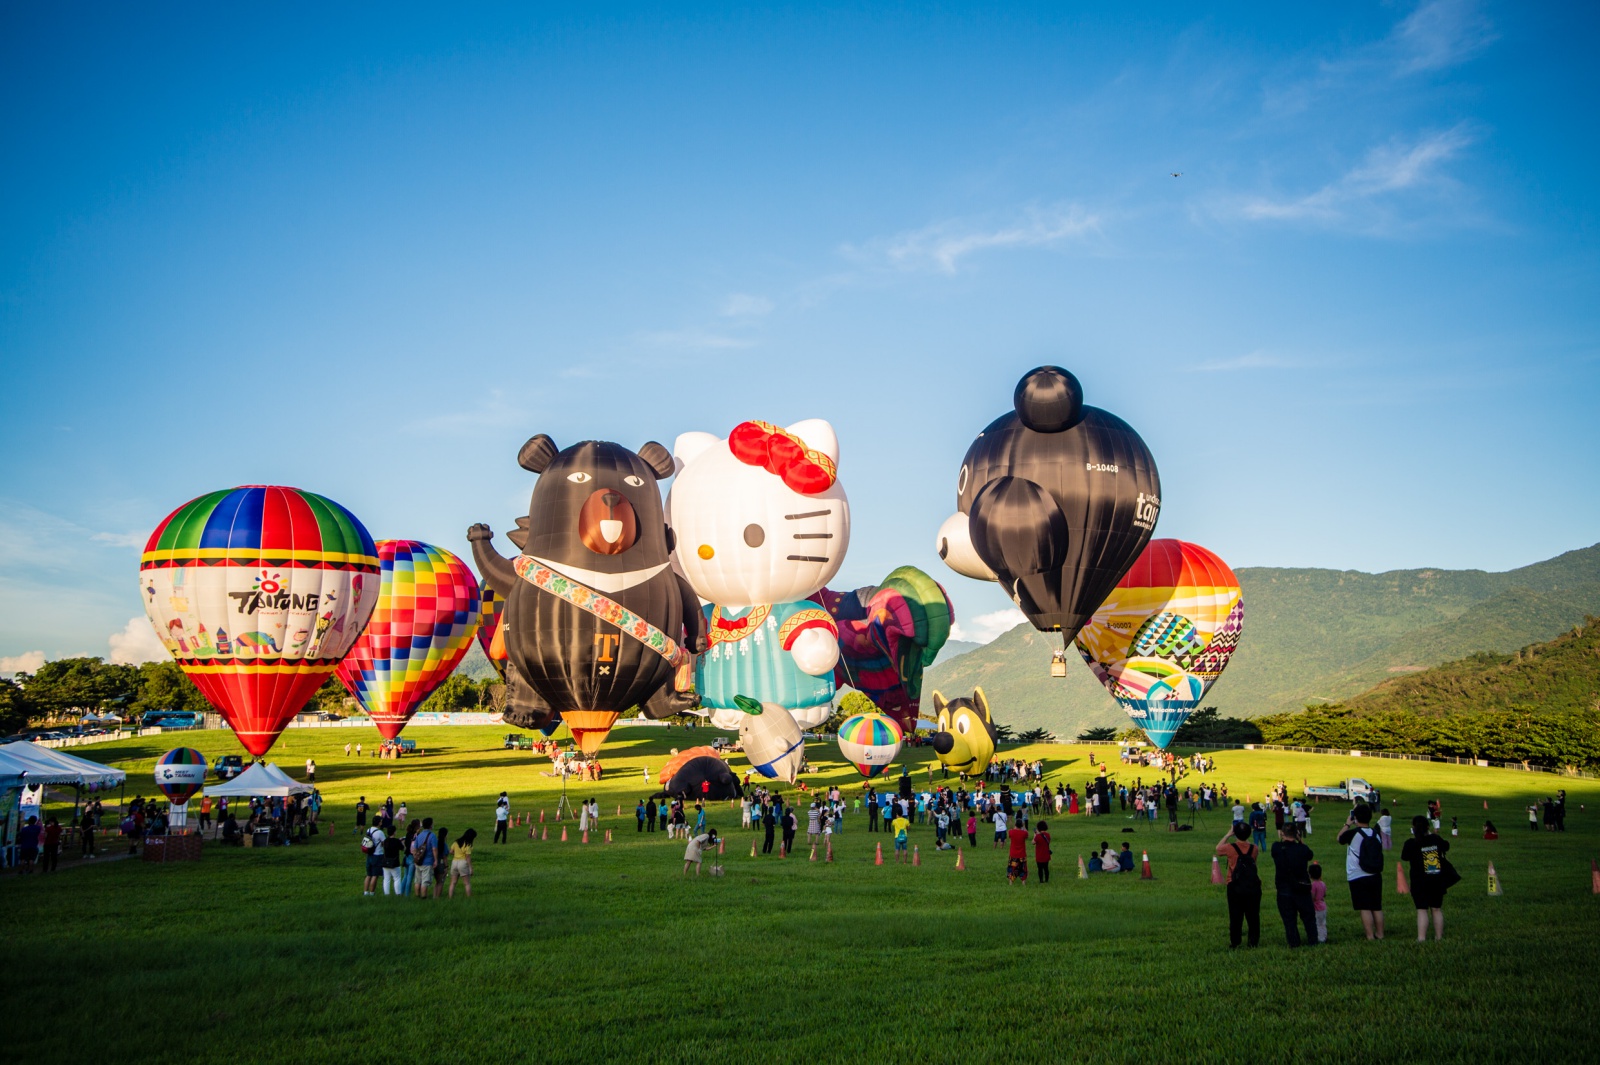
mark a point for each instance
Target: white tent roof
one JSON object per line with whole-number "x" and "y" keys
{"x": 29, "y": 763}
{"x": 263, "y": 778}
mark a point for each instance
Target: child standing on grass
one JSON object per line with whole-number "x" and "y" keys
{"x": 1385, "y": 823}
{"x": 1041, "y": 851}
{"x": 461, "y": 863}
{"x": 1319, "y": 900}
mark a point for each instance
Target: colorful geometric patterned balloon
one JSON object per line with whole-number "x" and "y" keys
{"x": 428, "y": 611}
{"x": 180, "y": 773}
{"x": 488, "y": 625}
{"x": 258, "y": 592}
{"x": 1164, "y": 635}
{"x": 869, "y": 742}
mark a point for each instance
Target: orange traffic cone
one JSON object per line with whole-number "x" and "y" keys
{"x": 813, "y": 852}
{"x": 720, "y": 842}
{"x": 879, "y": 859}
{"x": 585, "y": 836}
{"x": 1486, "y": 805}
{"x": 830, "y": 848}
{"x": 1401, "y": 887}
{"x": 916, "y": 856}
{"x": 563, "y": 833}
{"x": 961, "y": 862}
{"x": 783, "y": 850}
{"x": 1494, "y": 881}
{"x": 541, "y": 817}
{"x": 1144, "y": 871}
{"x": 533, "y": 833}
{"x": 389, "y": 775}
{"x": 1083, "y": 874}
{"x": 608, "y": 836}
{"x": 619, "y": 811}
{"x": 544, "y": 833}
{"x": 752, "y": 848}
{"x": 1216, "y": 870}
{"x": 1594, "y": 870}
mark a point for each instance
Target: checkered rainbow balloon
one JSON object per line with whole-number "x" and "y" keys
{"x": 428, "y": 612}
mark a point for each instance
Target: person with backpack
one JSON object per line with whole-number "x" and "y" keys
{"x": 424, "y": 852}
{"x": 1292, "y": 879}
{"x": 1363, "y": 866}
{"x": 372, "y": 850}
{"x": 1258, "y": 826}
{"x": 1244, "y": 883}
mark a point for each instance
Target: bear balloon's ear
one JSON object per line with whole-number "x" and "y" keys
{"x": 982, "y": 704}
{"x": 658, "y": 458}
{"x": 1049, "y": 400}
{"x": 938, "y": 703}
{"x": 537, "y": 454}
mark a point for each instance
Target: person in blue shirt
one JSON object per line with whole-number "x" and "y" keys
{"x": 1125, "y": 859}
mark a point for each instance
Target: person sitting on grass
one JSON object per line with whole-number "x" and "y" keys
{"x": 691, "y": 853}
{"x": 1125, "y": 859}
{"x": 1106, "y": 860}
{"x": 1489, "y": 831}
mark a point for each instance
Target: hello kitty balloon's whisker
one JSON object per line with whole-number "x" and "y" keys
{"x": 813, "y": 536}
{"x": 807, "y": 514}
{"x": 807, "y": 558}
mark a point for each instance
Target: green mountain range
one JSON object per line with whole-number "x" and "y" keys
{"x": 1310, "y": 635}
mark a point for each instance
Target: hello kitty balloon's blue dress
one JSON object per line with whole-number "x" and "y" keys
{"x": 749, "y": 656}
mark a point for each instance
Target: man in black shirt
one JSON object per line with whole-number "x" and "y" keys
{"x": 1293, "y": 881}
{"x": 769, "y": 824}
{"x": 791, "y": 825}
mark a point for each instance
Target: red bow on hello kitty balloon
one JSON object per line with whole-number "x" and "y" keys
{"x": 779, "y": 451}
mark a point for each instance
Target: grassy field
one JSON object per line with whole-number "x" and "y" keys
{"x": 587, "y": 953}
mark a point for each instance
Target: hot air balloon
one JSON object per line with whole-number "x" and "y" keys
{"x": 258, "y": 592}
{"x": 595, "y": 620}
{"x": 180, "y": 773}
{"x": 698, "y": 773}
{"x": 870, "y": 742}
{"x": 888, "y": 635}
{"x": 771, "y": 739}
{"x": 427, "y": 613}
{"x": 489, "y": 627}
{"x": 1164, "y": 634}
{"x": 967, "y": 734}
{"x": 1054, "y": 501}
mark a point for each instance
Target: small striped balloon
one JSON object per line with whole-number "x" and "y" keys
{"x": 870, "y": 742}
{"x": 180, "y": 773}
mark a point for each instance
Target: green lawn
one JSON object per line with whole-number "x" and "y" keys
{"x": 592, "y": 953}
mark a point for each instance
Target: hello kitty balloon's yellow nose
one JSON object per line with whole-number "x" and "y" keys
{"x": 705, "y": 551}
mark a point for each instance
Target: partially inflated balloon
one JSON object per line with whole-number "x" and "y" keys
{"x": 427, "y": 613}
{"x": 869, "y": 742}
{"x": 489, "y": 627}
{"x": 258, "y": 592}
{"x": 180, "y": 773}
{"x": 1054, "y": 501}
{"x": 1164, "y": 634}
{"x": 771, "y": 739}
{"x": 888, "y": 635}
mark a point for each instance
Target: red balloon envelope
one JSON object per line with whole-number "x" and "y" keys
{"x": 258, "y": 592}
{"x": 428, "y": 610}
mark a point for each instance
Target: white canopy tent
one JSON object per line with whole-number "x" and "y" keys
{"x": 29, "y": 763}
{"x": 264, "y": 779}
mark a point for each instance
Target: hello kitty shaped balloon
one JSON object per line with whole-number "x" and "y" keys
{"x": 761, "y": 522}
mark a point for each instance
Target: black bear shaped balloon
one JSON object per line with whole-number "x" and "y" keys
{"x": 1055, "y": 500}
{"x": 595, "y": 621}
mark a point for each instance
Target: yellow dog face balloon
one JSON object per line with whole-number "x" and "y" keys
{"x": 965, "y": 740}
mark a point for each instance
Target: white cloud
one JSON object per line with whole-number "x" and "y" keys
{"x": 26, "y": 662}
{"x": 130, "y": 539}
{"x": 1439, "y": 34}
{"x": 694, "y": 339}
{"x": 1256, "y": 360}
{"x": 744, "y": 305}
{"x": 1367, "y": 195}
{"x": 942, "y": 246}
{"x": 986, "y": 627}
{"x": 136, "y": 643}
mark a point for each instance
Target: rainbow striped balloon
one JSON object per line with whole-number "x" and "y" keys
{"x": 180, "y": 773}
{"x": 428, "y": 611}
{"x": 869, "y": 742}
{"x": 258, "y": 592}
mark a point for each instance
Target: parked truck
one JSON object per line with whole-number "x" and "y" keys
{"x": 1353, "y": 790}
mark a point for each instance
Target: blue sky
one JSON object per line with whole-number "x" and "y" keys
{"x": 369, "y": 251}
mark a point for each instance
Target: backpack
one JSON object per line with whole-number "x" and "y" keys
{"x": 1369, "y": 852}
{"x": 1245, "y": 873}
{"x": 368, "y": 844}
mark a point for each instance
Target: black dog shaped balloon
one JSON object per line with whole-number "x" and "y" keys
{"x": 1055, "y": 501}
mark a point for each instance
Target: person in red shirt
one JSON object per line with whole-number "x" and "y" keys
{"x": 1017, "y": 858}
{"x": 1041, "y": 852}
